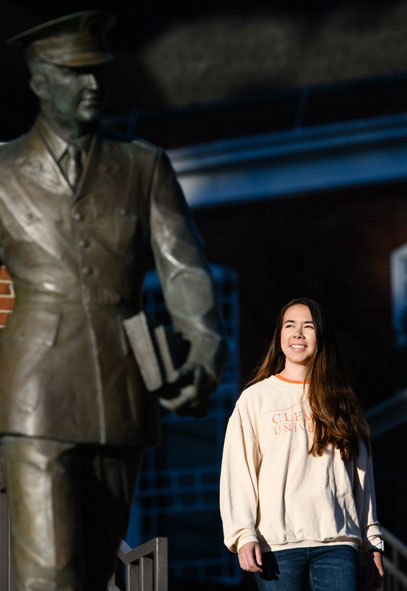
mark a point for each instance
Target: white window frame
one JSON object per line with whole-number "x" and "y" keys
{"x": 398, "y": 264}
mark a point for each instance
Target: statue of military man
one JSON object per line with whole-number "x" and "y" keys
{"x": 81, "y": 215}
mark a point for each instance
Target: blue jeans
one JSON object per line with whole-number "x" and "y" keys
{"x": 320, "y": 568}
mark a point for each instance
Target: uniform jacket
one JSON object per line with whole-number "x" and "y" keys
{"x": 77, "y": 260}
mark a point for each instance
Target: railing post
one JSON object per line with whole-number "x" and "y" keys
{"x": 140, "y": 576}
{"x": 146, "y": 565}
{"x": 161, "y": 565}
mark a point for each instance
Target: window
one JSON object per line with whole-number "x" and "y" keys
{"x": 399, "y": 293}
{"x": 178, "y": 491}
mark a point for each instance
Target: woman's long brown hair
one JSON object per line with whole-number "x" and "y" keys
{"x": 337, "y": 416}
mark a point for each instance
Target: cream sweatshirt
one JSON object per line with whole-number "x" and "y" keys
{"x": 274, "y": 492}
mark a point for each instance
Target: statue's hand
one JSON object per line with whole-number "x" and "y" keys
{"x": 196, "y": 387}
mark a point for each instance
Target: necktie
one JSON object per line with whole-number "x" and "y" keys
{"x": 73, "y": 166}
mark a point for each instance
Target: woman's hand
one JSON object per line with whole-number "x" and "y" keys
{"x": 374, "y": 573}
{"x": 250, "y": 557}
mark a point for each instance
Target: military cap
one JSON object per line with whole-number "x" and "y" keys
{"x": 74, "y": 40}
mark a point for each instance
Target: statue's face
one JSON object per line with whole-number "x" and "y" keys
{"x": 71, "y": 96}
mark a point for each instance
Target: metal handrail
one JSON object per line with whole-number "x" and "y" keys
{"x": 388, "y": 415}
{"x": 394, "y": 542}
{"x": 146, "y": 566}
{"x": 395, "y": 579}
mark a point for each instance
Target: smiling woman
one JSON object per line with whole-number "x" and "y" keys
{"x": 297, "y": 490}
{"x": 298, "y": 341}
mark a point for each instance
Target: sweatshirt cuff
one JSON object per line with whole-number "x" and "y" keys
{"x": 375, "y": 544}
{"x": 372, "y": 539}
{"x": 245, "y": 539}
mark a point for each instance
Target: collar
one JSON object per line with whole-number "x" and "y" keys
{"x": 277, "y": 375}
{"x": 56, "y": 144}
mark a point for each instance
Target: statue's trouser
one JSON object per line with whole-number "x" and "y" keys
{"x": 69, "y": 507}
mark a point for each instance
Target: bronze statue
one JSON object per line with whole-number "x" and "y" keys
{"x": 80, "y": 217}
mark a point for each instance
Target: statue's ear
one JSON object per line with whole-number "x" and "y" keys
{"x": 38, "y": 85}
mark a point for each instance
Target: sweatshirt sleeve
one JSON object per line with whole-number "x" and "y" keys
{"x": 364, "y": 494}
{"x": 238, "y": 484}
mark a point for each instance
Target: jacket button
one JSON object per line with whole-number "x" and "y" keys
{"x": 78, "y": 216}
{"x": 124, "y": 212}
{"x": 83, "y": 243}
{"x": 87, "y": 270}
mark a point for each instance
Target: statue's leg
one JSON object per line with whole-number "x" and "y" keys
{"x": 69, "y": 507}
{"x": 43, "y": 506}
{"x": 107, "y": 498}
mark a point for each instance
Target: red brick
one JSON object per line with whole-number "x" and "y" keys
{"x": 3, "y": 273}
{"x": 5, "y": 288}
{"x": 7, "y": 303}
{"x": 3, "y": 318}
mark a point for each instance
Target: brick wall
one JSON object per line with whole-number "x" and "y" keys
{"x": 334, "y": 247}
{"x": 6, "y": 296}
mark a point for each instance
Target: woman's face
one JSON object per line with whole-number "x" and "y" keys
{"x": 298, "y": 338}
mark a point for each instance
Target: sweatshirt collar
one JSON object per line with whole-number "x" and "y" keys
{"x": 277, "y": 375}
